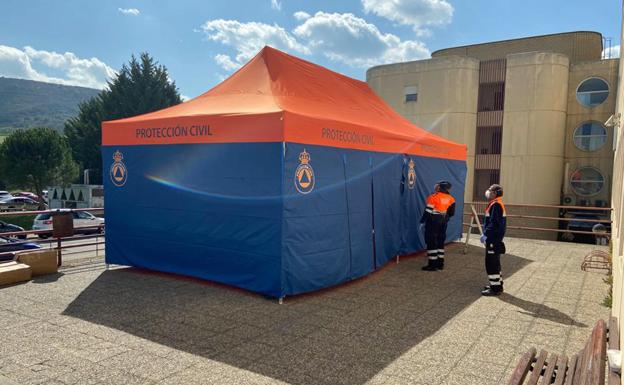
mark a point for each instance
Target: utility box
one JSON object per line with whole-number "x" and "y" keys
{"x": 62, "y": 224}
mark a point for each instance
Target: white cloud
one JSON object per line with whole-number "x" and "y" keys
{"x": 416, "y": 13}
{"x": 129, "y": 11}
{"x": 25, "y": 64}
{"x": 226, "y": 62}
{"x": 611, "y": 52}
{"x": 341, "y": 37}
{"x": 346, "y": 38}
{"x": 247, "y": 39}
{"x": 300, "y": 15}
{"x": 185, "y": 98}
{"x": 276, "y": 4}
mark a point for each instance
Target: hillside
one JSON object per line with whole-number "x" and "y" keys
{"x": 27, "y": 103}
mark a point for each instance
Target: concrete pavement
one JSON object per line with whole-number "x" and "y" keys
{"x": 397, "y": 326}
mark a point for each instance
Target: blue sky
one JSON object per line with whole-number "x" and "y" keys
{"x": 202, "y": 42}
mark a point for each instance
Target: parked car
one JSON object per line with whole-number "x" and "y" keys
{"x": 18, "y": 203}
{"x": 81, "y": 219}
{"x": 5, "y": 195}
{"x": 10, "y": 228}
{"x": 29, "y": 195}
{"x": 9, "y": 245}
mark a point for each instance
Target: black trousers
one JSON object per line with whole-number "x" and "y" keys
{"x": 493, "y": 265}
{"x": 435, "y": 236}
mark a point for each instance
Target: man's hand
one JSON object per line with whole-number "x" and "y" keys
{"x": 421, "y": 227}
{"x": 483, "y": 238}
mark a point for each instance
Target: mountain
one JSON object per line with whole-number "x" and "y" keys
{"x": 28, "y": 103}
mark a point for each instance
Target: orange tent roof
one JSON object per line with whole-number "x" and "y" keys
{"x": 277, "y": 97}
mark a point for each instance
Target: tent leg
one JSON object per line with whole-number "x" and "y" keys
{"x": 107, "y": 266}
{"x": 280, "y": 300}
{"x": 468, "y": 234}
{"x": 397, "y": 259}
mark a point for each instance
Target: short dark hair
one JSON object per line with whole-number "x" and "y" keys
{"x": 497, "y": 189}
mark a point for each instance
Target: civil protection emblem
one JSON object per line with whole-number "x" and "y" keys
{"x": 118, "y": 172}
{"x": 304, "y": 174}
{"x": 411, "y": 175}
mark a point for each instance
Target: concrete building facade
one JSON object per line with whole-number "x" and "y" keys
{"x": 617, "y": 202}
{"x": 531, "y": 111}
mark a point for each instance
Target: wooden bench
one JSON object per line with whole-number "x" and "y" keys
{"x": 588, "y": 367}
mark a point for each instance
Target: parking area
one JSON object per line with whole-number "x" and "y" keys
{"x": 400, "y": 325}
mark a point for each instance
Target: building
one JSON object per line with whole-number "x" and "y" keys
{"x": 617, "y": 203}
{"x": 76, "y": 196}
{"x": 531, "y": 110}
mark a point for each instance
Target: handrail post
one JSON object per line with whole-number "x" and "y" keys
{"x": 59, "y": 252}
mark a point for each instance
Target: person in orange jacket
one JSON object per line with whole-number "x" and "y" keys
{"x": 494, "y": 227}
{"x": 440, "y": 208}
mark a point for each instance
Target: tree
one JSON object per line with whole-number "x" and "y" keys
{"x": 36, "y": 158}
{"x": 141, "y": 86}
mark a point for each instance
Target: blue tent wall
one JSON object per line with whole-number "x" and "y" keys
{"x": 231, "y": 213}
{"x": 208, "y": 211}
{"x": 327, "y": 233}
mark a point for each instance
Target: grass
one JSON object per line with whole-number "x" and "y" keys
{"x": 25, "y": 221}
{"x": 608, "y": 300}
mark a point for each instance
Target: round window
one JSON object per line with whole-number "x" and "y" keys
{"x": 586, "y": 181}
{"x": 592, "y": 92}
{"x": 590, "y": 136}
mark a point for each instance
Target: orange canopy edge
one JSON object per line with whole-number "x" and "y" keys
{"x": 277, "y": 97}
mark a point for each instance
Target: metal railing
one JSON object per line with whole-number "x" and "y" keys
{"x": 63, "y": 245}
{"x": 477, "y": 210}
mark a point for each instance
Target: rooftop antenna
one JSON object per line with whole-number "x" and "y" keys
{"x": 606, "y": 52}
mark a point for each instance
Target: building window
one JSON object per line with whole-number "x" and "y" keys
{"x": 592, "y": 92}
{"x": 586, "y": 181}
{"x": 590, "y": 136}
{"x": 411, "y": 94}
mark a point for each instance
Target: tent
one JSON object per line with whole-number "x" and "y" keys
{"x": 283, "y": 179}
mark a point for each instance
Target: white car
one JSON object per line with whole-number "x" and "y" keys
{"x": 81, "y": 219}
{"x": 5, "y": 195}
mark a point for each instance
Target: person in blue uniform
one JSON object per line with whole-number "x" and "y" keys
{"x": 494, "y": 227}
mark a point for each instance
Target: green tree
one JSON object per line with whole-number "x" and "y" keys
{"x": 141, "y": 86}
{"x": 35, "y": 158}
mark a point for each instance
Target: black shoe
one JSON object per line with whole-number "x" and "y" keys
{"x": 430, "y": 268}
{"x": 489, "y": 292}
{"x": 440, "y": 264}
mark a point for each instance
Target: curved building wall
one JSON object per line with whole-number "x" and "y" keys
{"x": 577, "y": 46}
{"x": 602, "y": 158}
{"x": 534, "y": 124}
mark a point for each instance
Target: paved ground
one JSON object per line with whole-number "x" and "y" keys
{"x": 398, "y": 326}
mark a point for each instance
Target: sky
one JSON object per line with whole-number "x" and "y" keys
{"x": 84, "y": 43}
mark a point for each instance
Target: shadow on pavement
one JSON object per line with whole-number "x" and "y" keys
{"x": 538, "y": 310}
{"x": 345, "y": 335}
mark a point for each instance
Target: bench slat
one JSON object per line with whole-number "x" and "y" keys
{"x": 595, "y": 367}
{"x": 614, "y": 343}
{"x": 562, "y": 366}
{"x": 592, "y": 370}
{"x": 537, "y": 368}
{"x": 569, "y": 375}
{"x": 551, "y": 364}
{"x": 519, "y": 374}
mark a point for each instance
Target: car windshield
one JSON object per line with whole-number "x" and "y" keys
{"x": 42, "y": 217}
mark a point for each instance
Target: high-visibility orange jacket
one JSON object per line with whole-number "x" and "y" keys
{"x": 440, "y": 206}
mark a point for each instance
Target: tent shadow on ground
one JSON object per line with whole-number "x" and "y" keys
{"x": 345, "y": 335}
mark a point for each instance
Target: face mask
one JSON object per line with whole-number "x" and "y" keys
{"x": 489, "y": 194}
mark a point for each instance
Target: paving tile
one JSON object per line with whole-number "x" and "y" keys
{"x": 398, "y": 326}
